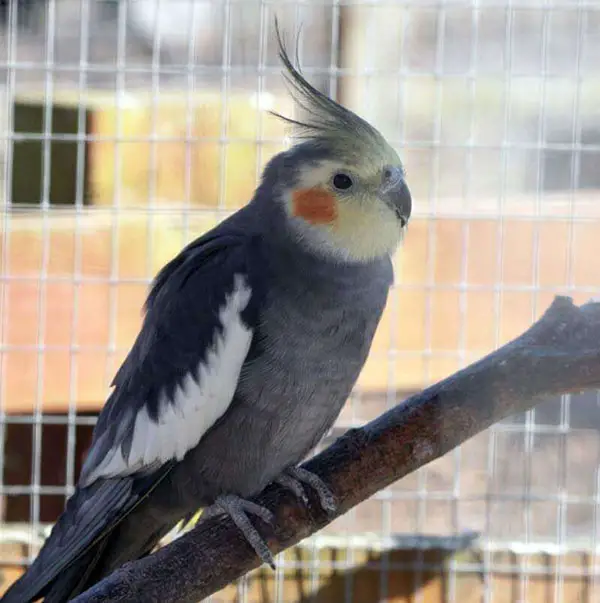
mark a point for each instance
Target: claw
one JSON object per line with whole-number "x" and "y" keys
{"x": 293, "y": 485}
{"x": 294, "y": 477}
{"x": 237, "y": 508}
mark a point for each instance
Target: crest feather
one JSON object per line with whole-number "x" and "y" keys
{"x": 326, "y": 121}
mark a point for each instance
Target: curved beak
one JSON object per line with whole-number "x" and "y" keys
{"x": 395, "y": 193}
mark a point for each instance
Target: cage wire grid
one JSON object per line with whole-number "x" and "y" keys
{"x": 30, "y": 58}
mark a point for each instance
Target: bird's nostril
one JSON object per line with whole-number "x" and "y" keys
{"x": 390, "y": 175}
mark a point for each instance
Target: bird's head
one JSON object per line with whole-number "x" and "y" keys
{"x": 342, "y": 186}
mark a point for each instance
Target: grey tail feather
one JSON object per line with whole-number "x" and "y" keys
{"x": 87, "y": 541}
{"x": 74, "y": 580}
{"x": 95, "y": 564}
{"x": 68, "y": 584}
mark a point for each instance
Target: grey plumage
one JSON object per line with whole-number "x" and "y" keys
{"x": 253, "y": 338}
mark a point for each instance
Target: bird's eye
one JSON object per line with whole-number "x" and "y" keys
{"x": 342, "y": 181}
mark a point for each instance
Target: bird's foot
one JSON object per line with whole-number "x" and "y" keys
{"x": 293, "y": 479}
{"x": 238, "y": 509}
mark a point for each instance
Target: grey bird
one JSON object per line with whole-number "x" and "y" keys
{"x": 252, "y": 340}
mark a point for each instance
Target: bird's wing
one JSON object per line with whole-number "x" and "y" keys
{"x": 178, "y": 379}
{"x": 183, "y": 369}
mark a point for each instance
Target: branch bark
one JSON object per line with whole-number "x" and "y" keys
{"x": 558, "y": 354}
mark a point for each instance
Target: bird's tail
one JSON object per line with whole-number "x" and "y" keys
{"x": 92, "y": 566}
{"x": 101, "y": 528}
{"x": 75, "y": 579}
{"x": 96, "y": 564}
{"x": 68, "y": 584}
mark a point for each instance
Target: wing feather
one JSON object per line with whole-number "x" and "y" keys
{"x": 169, "y": 394}
{"x": 177, "y": 380}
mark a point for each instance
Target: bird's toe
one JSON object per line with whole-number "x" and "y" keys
{"x": 300, "y": 476}
{"x": 293, "y": 485}
{"x": 237, "y": 508}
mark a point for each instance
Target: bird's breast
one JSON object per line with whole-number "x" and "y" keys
{"x": 307, "y": 364}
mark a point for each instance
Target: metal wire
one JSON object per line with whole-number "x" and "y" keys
{"x": 492, "y": 105}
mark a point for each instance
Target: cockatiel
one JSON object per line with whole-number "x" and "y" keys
{"x": 252, "y": 340}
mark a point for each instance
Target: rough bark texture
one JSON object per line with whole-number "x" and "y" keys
{"x": 560, "y": 353}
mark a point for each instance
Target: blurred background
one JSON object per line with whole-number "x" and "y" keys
{"x": 129, "y": 127}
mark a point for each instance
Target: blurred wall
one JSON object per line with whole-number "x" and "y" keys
{"x": 187, "y": 32}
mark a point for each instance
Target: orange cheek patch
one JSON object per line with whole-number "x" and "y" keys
{"x": 315, "y": 205}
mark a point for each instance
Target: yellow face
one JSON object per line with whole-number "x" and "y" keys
{"x": 356, "y": 212}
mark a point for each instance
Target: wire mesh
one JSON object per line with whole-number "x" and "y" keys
{"x": 151, "y": 110}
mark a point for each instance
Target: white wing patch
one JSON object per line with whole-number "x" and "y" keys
{"x": 195, "y": 406}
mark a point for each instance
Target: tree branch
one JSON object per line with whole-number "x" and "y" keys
{"x": 559, "y": 354}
